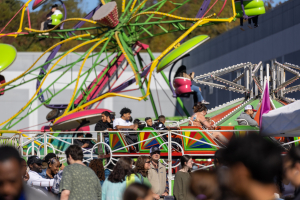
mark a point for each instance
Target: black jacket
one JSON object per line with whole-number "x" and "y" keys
{"x": 101, "y": 126}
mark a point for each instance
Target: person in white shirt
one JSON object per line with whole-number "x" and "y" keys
{"x": 124, "y": 123}
{"x": 35, "y": 180}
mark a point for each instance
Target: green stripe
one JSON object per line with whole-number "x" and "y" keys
{"x": 231, "y": 121}
{"x": 212, "y": 114}
{"x": 277, "y": 104}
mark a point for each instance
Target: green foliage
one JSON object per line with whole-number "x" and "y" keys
{"x": 190, "y": 9}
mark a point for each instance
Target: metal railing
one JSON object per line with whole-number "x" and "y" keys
{"x": 41, "y": 140}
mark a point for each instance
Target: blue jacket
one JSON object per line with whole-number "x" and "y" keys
{"x": 114, "y": 191}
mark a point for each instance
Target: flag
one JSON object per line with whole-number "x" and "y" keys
{"x": 265, "y": 104}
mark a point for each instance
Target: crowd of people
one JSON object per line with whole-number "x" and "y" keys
{"x": 251, "y": 168}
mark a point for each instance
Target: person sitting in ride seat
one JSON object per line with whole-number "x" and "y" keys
{"x": 149, "y": 122}
{"x": 105, "y": 123}
{"x": 247, "y": 116}
{"x": 161, "y": 126}
{"x": 47, "y": 24}
{"x": 123, "y": 123}
{"x": 181, "y": 72}
{"x": 216, "y": 135}
{"x": 138, "y": 124}
{"x": 253, "y": 19}
{"x": 199, "y": 119}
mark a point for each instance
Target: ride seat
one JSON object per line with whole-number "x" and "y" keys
{"x": 2, "y": 81}
{"x": 182, "y": 86}
{"x": 56, "y": 17}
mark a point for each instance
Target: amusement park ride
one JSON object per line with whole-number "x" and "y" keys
{"x": 115, "y": 39}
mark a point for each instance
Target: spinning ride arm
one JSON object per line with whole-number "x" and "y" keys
{"x": 129, "y": 27}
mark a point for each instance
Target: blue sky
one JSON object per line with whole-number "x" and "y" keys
{"x": 88, "y": 5}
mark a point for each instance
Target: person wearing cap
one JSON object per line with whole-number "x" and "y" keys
{"x": 157, "y": 175}
{"x": 35, "y": 165}
{"x": 246, "y": 117}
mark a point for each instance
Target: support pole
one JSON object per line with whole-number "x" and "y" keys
{"x": 170, "y": 162}
{"x": 150, "y": 93}
{"x": 273, "y": 79}
{"x": 45, "y": 144}
{"x": 177, "y": 98}
{"x": 261, "y": 76}
{"x": 251, "y": 80}
{"x": 21, "y": 144}
{"x": 166, "y": 79}
{"x": 282, "y": 80}
{"x": 246, "y": 80}
{"x": 268, "y": 72}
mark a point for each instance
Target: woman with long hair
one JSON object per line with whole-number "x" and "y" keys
{"x": 137, "y": 191}
{"x": 199, "y": 119}
{"x": 182, "y": 179}
{"x": 120, "y": 178}
{"x": 142, "y": 167}
{"x": 97, "y": 166}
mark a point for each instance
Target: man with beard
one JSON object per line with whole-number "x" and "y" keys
{"x": 12, "y": 186}
{"x": 78, "y": 181}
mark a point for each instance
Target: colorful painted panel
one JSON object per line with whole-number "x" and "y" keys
{"x": 145, "y": 146}
{"x": 193, "y": 145}
{"x": 116, "y": 141}
{"x": 295, "y": 139}
{"x": 243, "y": 130}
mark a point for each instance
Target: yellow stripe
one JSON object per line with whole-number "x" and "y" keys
{"x": 10, "y": 131}
{"x": 64, "y": 41}
{"x": 164, "y": 14}
{"x": 22, "y": 16}
{"x": 126, "y": 56}
{"x": 73, "y": 49}
{"x": 79, "y": 73}
{"x": 137, "y": 9}
{"x": 132, "y": 6}
{"x": 123, "y": 5}
{"x": 71, "y": 19}
{"x": 30, "y": 139}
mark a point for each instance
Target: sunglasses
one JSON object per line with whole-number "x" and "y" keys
{"x": 148, "y": 162}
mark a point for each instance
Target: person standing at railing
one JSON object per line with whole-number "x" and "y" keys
{"x": 157, "y": 175}
{"x": 36, "y": 180}
{"x": 11, "y": 178}
{"x": 78, "y": 181}
{"x": 182, "y": 179}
